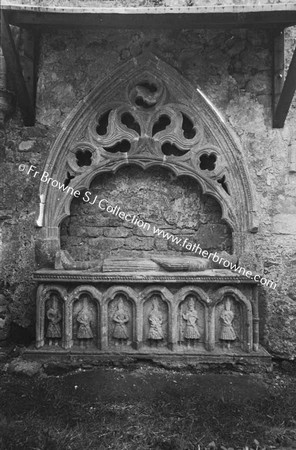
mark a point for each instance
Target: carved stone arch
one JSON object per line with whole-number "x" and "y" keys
{"x": 187, "y": 290}
{"x": 108, "y": 297}
{"x": 85, "y": 289}
{"x": 138, "y": 93}
{"x": 220, "y": 293}
{"x": 96, "y": 297}
{"x": 219, "y": 296}
{"x": 95, "y": 294}
{"x": 114, "y": 290}
{"x": 164, "y": 292}
{"x": 43, "y": 294}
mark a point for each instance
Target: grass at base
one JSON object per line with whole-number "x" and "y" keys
{"x": 146, "y": 409}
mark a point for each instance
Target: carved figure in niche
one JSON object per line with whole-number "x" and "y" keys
{"x": 84, "y": 319}
{"x": 191, "y": 332}
{"x": 120, "y": 317}
{"x": 54, "y": 332}
{"x": 155, "y": 319}
{"x": 227, "y": 334}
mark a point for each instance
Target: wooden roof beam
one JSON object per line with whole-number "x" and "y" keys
{"x": 24, "y": 97}
{"x": 157, "y": 17}
{"x": 283, "y": 90}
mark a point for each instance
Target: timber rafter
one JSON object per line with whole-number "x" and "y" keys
{"x": 35, "y": 18}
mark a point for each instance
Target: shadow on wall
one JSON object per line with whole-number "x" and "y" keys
{"x": 21, "y": 336}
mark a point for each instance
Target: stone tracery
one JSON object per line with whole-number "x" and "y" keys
{"x": 176, "y": 130}
{"x": 149, "y": 116}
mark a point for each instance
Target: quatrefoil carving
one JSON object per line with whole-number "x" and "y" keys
{"x": 144, "y": 117}
{"x": 208, "y": 161}
{"x": 83, "y": 158}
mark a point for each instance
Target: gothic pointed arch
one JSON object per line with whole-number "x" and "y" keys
{"x": 147, "y": 114}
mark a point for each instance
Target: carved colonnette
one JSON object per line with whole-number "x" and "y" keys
{"x": 146, "y": 313}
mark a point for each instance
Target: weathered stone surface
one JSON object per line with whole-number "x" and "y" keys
{"x": 228, "y": 68}
{"x": 118, "y": 232}
{"x": 104, "y": 244}
{"x": 150, "y": 318}
{"x": 26, "y": 146}
{"x": 175, "y": 207}
{"x": 285, "y": 223}
{"x": 260, "y": 84}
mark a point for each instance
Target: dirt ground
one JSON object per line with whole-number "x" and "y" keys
{"x": 146, "y": 407}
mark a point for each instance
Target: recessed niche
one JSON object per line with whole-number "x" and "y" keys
{"x": 83, "y": 158}
{"x": 120, "y": 321}
{"x": 207, "y": 161}
{"x": 191, "y": 322}
{"x": 129, "y": 121}
{"x": 230, "y": 323}
{"x": 169, "y": 149}
{"x": 188, "y": 127}
{"x": 122, "y": 146}
{"x": 155, "y": 321}
{"x": 84, "y": 321}
{"x": 54, "y": 319}
{"x": 103, "y": 121}
{"x": 161, "y": 124}
{"x": 157, "y": 197}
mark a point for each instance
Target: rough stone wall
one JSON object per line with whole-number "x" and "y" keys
{"x": 155, "y": 196}
{"x": 233, "y": 69}
{"x": 18, "y": 200}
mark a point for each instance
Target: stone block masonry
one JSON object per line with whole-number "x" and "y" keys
{"x": 151, "y": 197}
{"x": 233, "y": 69}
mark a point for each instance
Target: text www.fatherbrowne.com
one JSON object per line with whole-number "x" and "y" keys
{"x": 105, "y": 205}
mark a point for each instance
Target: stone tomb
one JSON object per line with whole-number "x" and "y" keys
{"x": 137, "y": 313}
{"x": 152, "y": 145}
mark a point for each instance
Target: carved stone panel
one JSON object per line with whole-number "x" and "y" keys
{"x": 53, "y": 320}
{"x": 85, "y": 321}
{"x": 191, "y": 322}
{"x": 102, "y": 316}
{"x": 120, "y": 321}
{"x": 155, "y": 322}
{"x": 230, "y": 323}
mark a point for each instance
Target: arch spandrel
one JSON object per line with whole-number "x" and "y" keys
{"x": 155, "y": 117}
